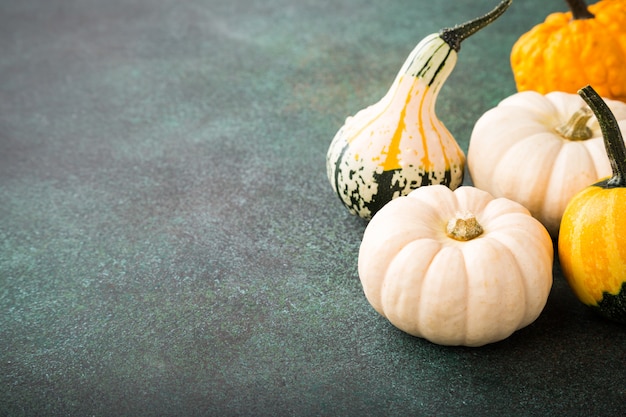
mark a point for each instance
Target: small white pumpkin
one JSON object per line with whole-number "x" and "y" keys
{"x": 540, "y": 150}
{"x": 456, "y": 267}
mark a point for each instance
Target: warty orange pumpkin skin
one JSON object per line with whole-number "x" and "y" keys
{"x": 592, "y": 239}
{"x": 565, "y": 53}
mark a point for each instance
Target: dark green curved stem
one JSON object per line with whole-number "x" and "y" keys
{"x": 613, "y": 141}
{"x": 454, "y": 36}
{"x": 579, "y": 9}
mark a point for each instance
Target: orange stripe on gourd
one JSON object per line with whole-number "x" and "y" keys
{"x": 392, "y": 161}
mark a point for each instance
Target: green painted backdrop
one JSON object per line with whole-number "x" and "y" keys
{"x": 170, "y": 245}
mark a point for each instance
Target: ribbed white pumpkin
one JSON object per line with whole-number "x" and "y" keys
{"x": 516, "y": 151}
{"x": 449, "y": 291}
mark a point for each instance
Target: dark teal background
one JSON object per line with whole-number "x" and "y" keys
{"x": 169, "y": 242}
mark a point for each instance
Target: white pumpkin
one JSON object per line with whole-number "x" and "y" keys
{"x": 540, "y": 150}
{"x": 456, "y": 267}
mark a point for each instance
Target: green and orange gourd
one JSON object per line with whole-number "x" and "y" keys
{"x": 398, "y": 144}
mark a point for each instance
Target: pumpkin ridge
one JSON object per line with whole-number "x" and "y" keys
{"x": 385, "y": 286}
{"x": 468, "y": 297}
{"x": 392, "y": 161}
{"x": 500, "y": 300}
{"x": 523, "y": 285}
{"x": 431, "y": 280}
{"x": 511, "y": 157}
{"x": 554, "y": 184}
{"x": 590, "y": 155}
{"x": 503, "y": 245}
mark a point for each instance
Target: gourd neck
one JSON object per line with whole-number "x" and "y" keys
{"x": 464, "y": 227}
{"x": 613, "y": 141}
{"x": 454, "y": 36}
{"x": 576, "y": 127}
{"x": 434, "y": 69}
{"x": 579, "y": 9}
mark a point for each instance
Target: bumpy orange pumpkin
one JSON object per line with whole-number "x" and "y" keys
{"x": 586, "y": 45}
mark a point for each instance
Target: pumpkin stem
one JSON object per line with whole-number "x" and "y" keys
{"x": 613, "y": 141}
{"x": 576, "y": 127}
{"x": 454, "y": 36}
{"x": 579, "y": 9}
{"x": 464, "y": 227}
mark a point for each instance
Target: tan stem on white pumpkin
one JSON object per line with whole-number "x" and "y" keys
{"x": 576, "y": 127}
{"x": 464, "y": 227}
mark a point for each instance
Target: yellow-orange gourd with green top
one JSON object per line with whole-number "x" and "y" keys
{"x": 586, "y": 45}
{"x": 592, "y": 239}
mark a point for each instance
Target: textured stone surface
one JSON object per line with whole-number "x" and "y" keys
{"x": 170, "y": 245}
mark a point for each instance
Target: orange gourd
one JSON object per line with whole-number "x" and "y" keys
{"x": 592, "y": 240}
{"x": 586, "y": 45}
